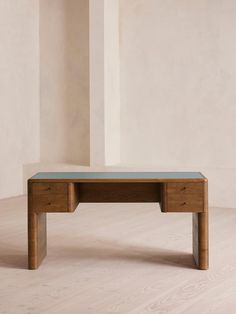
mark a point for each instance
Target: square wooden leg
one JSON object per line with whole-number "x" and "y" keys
{"x": 200, "y": 240}
{"x": 37, "y": 239}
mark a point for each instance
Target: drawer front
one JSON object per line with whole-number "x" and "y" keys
{"x": 184, "y": 197}
{"x": 50, "y": 197}
{"x": 49, "y": 188}
{"x": 50, "y": 203}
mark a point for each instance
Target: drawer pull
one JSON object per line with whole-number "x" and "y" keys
{"x": 49, "y": 203}
{"x": 184, "y": 203}
{"x": 184, "y": 188}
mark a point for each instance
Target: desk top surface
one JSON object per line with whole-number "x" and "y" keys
{"x": 117, "y": 176}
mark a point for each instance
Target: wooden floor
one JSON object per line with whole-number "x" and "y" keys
{"x": 117, "y": 258}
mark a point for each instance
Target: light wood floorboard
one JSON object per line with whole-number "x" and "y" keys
{"x": 116, "y": 258}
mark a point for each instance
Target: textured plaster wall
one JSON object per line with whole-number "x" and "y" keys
{"x": 112, "y": 82}
{"x": 19, "y": 92}
{"x": 158, "y": 76}
{"x": 104, "y": 83}
{"x": 97, "y": 82}
{"x": 64, "y": 81}
{"x": 178, "y": 74}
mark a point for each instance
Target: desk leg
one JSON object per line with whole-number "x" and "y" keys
{"x": 37, "y": 239}
{"x": 200, "y": 239}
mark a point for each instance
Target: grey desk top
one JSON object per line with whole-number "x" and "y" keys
{"x": 116, "y": 175}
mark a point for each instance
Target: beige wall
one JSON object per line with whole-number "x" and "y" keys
{"x": 178, "y": 71}
{"x": 64, "y": 81}
{"x": 112, "y": 82}
{"x": 104, "y": 83}
{"x": 97, "y": 82}
{"x": 175, "y": 109}
{"x": 19, "y": 92}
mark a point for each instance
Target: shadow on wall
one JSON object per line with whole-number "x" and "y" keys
{"x": 64, "y": 81}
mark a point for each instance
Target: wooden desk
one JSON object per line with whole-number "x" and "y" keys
{"x": 51, "y": 192}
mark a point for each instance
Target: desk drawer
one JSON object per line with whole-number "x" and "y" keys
{"x": 50, "y": 203}
{"x": 50, "y": 197}
{"x": 49, "y": 188}
{"x": 183, "y": 197}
